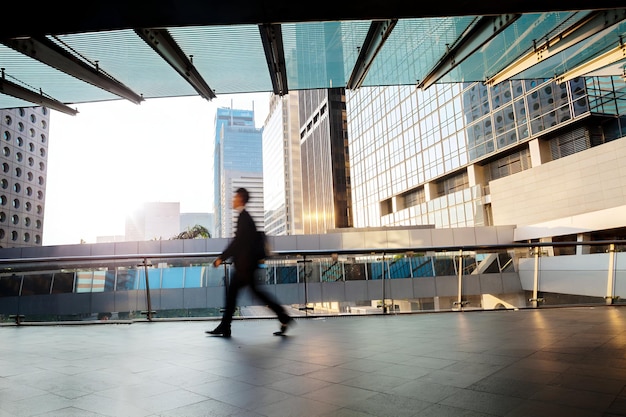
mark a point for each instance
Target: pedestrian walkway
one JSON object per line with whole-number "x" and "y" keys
{"x": 548, "y": 362}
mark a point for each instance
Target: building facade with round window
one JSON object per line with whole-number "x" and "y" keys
{"x": 23, "y": 167}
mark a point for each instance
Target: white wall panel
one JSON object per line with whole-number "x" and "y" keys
{"x": 585, "y": 182}
{"x": 464, "y": 236}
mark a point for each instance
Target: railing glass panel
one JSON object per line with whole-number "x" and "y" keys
{"x": 126, "y": 279}
{"x": 63, "y": 283}
{"x": 10, "y": 285}
{"x": 345, "y": 283}
{"x": 37, "y": 284}
{"x": 174, "y": 278}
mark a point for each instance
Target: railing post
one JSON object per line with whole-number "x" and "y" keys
{"x": 610, "y": 297}
{"x": 459, "y": 300}
{"x": 18, "y": 317}
{"x": 460, "y": 274}
{"x": 534, "y": 301}
{"x": 306, "y": 308}
{"x": 382, "y": 279}
{"x": 226, "y": 284}
{"x": 306, "y": 292}
{"x": 148, "y": 299}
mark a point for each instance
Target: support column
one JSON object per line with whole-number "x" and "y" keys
{"x": 539, "y": 152}
{"x": 611, "y": 275}
{"x": 583, "y": 249}
{"x": 535, "y": 300}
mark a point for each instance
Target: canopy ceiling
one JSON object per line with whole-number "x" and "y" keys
{"x": 61, "y": 54}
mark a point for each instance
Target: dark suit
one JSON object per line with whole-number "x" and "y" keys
{"x": 242, "y": 249}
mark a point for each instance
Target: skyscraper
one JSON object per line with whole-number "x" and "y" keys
{"x": 326, "y": 192}
{"x": 282, "y": 178}
{"x": 307, "y": 176}
{"x": 24, "y": 162}
{"x": 238, "y": 162}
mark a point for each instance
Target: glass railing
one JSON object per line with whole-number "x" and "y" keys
{"x": 404, "y": 280}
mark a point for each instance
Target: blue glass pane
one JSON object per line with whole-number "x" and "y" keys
{"x": 127, "y": 279}
{"x": 109, "y": 280}
{"x": 171, "y": 277}
{"x": 230, "y": 58}
{"x": 155, "y": 278}
{"x": 286, "y": 275}
{"x": 376, "y": 270}
{"x": 422, "y": 267}
{"x": 400, "y": 268}
{"x": 321, "y": 54}
{"x": 605, "y": 94}
{"x": 215, "y": 277}
{"x": 414, "y": 48}
{"x": 331, "y": 271}
{"x": 193, "y": 276}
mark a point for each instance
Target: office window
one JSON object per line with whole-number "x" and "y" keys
{"x": 570, "y": 143}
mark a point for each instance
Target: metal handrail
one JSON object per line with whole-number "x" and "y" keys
{"x": 297, "y": 253}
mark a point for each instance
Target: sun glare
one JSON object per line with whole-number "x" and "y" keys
{"x": 112, "y": 157}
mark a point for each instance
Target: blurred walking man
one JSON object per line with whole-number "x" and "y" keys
{"x": 245, "y": 249}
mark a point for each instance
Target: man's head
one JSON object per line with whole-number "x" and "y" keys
{"x": 240, "y": 198}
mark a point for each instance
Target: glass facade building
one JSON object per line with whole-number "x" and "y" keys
{"x": 238, "y": 162}
{"x": 427, "y": 157}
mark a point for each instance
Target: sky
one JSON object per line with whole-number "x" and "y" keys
{"x": 112, "y": 157}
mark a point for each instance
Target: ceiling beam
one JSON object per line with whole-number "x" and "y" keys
{"x": 482, "y": 31}
{"x": 589, "y": 25}
{"x": 272, "y": 38}
{"x": 162, "y": 42}
{"x": 47, "y": 52}
{"x": 376, "y": 36}
{"x": 14, "y": 90}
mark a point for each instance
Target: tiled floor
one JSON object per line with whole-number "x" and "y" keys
{"x": 528, "y": 363}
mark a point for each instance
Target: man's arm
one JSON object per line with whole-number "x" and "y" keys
{"x": 245, "y": 227}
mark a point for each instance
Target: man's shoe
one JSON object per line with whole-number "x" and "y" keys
{"x": 284, "y": 326}
{"x": 219, "y": 331}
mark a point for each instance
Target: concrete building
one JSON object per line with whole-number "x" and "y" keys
{"x": 282, "y": 177}
{"x": 24, "y": 162}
